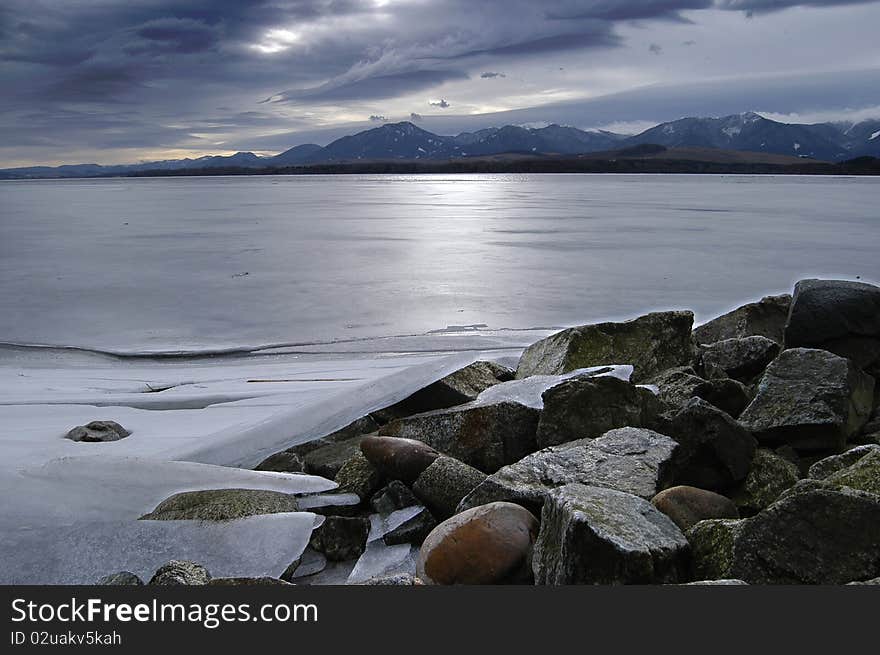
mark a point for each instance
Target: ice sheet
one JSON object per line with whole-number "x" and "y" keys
{"x": 81, "y": 554}
{"x": 214, "y": 415}
{"x": 379, "y": 559}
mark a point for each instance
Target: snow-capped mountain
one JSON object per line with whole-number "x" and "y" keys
{"x": 553, "y": 139}
{"x": 390, "y": 141}
{"x": 748, "y": 131}
{"x": 406, "y": 141}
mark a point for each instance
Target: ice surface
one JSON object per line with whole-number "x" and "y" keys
{"x": 217, "y": 415}
{"x": 372, "y": 255}
{"x": 250, "y": 547}
{"x": 379, "y": 559}
{"x": 104, "y": 487}
{"x": 527, "y": 391}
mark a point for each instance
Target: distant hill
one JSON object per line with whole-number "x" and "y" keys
{"x": 741, "y": 133}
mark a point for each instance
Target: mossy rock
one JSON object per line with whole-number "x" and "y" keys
{"x": 769, "y": 476}
{"x": 221, "y": 505}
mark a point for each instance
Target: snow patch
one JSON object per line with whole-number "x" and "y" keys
{"x": 874, "y": 136}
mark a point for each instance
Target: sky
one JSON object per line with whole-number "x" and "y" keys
{"x": 118, "y": 81}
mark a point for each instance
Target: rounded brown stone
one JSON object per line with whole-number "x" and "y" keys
{"x": 398, "y": 458}
{"x": 687, "y": 506}
{"x": 489, "y": 544}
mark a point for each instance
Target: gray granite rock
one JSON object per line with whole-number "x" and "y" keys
{"x": 634, "y": 460}
{"x": 594, "y": 535}
{"x": 764, "y": 318}
{"x": 587, "y": 407}
{"x": 810, "y": 399}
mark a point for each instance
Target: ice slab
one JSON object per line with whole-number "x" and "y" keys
{"x": 256, "y": 546}
{"x": 109, "y": 488}
{"x": 528, "y": 391}
{"x": 380, "y": 525}
{"x": 379, "y": 559}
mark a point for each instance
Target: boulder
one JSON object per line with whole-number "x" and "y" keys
{"x": 328, "y": 459}
{"x": 730, "y": 396}
{"x": 741, "y": 359}
{"x": 651, "y": 343}
{"x": 818, "y": 536}
{"x": 457, "y": 388}
{"x": 863, "y": 475}
{"x": 180, "y": 572}
{"x": 486, "y": 436}
{"x": 810, "y": 399}
{"x": 98, "y": 431}
{"x": 765, "y": 318}
{"x": 839, "y": 316}
{"x": 445, "y": 483}
{"x": 490, "y": 544}
{"x": 398, "y": 459}
{"x": 870, "y": 433}
{"x": 221, "y": 505}
{"x": 594, "y": 535}
{"x": 830, "y": 465}
{"x": 414, "y": 531}
{"x": 676, "y": 385}
{"x": 714, "y": 452}
{"x": 687, "y": 506}
{"x": 121, "y": 579}
{"x": 633, "y": 460}
{"x": 769, "y": 476}
{"x": 292, "y": 460}
{"x": 393, "y": 496}
{"x": 358, "y": 476}
{"x": 341, "y": 538}
{"x": 587, "y": 407}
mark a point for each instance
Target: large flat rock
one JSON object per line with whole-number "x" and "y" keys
{"x": 633, "y": 460}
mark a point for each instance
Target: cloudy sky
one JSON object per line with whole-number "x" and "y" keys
{"x": 117, "y": 81}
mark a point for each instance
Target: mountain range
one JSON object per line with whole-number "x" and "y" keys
{"x": 749, "y": 132}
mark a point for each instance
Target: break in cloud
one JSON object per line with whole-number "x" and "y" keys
{"x": 92, "y": 80}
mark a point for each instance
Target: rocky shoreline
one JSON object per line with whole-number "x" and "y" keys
{"x": 745, "y": 450}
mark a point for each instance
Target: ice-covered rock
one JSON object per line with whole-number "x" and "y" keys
{"x": 651, "y": 343}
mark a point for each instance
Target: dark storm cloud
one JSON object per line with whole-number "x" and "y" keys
{"x": 441, "y": 104}
{"x": 488, "y": 75}
{"x": 171, "y": 63}
{"x": 174, "y": 35}
{"x": 756, "y": 6}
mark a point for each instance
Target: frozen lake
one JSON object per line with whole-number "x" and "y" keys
{"x": 373, "y": 264}
{"x": 223, "y": 262}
